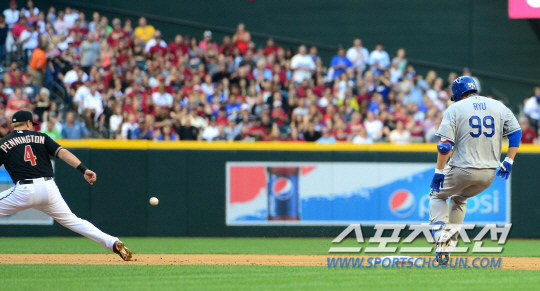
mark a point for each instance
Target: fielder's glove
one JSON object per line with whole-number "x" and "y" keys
{"x": 438, "y": 181}
{"x": 505, "y": 168}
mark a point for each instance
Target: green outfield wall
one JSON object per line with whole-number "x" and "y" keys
{"x": 190, "y": 184}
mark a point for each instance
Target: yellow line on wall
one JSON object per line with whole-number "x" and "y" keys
{"x": 258, "y": 146}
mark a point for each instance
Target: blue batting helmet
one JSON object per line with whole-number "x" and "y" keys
{"x": 461, "y": 85}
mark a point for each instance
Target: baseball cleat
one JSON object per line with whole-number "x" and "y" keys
{"x": 442, "y": 258}
{"x": 441, "y": 239}
{"x": 122, "y": 251}
{"x": 441, "y": 248}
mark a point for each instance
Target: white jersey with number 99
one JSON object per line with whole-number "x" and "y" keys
{"x": 476, "y": 126}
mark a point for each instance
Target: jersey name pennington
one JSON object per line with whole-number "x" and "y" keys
{"x": 6, "y": 146}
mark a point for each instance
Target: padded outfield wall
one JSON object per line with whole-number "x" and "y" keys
{"x": 194, "y": 184}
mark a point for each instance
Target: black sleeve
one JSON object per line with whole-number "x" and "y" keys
{"x": 53, "y": 148}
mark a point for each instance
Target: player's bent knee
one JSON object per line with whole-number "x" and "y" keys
{"x": 458, "y": 200}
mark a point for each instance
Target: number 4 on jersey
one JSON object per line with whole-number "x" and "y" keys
{"x": 29, "y": 155}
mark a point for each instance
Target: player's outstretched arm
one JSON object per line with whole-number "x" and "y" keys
{"x": 73, "y": 161}
{"x": 513, "y": 146}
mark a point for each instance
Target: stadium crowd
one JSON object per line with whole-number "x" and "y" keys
{"x": 126, "y": 82}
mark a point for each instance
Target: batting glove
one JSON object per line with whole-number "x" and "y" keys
{"x": 438, "y": 181}
{"x": 505, "y": 168}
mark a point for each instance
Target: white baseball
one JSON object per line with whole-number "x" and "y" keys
{"x": 154, "y": 201}
{"x": 534, "y": 3}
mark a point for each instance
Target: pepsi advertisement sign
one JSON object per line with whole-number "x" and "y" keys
{"x": 402, "y": 203}
{"x": 269, "y": 193}
{"x": 282, "y": 188}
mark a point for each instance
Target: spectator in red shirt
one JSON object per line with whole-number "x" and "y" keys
{"x": 279, "y": 71}
{"x": 222, "y": 117}
{"x": 271, "y": 47}
{"x": 147, "y": 104}
{"x": 178, "y": 47}
{"x": 340, "y": 131}
{"x": 320, "y": 86}
{"x": 110, "y": 75}
{"x": 118, "y": 34}
{"x": 278, "y": 114}
{"x": 158, "y": 50}
{"x": 529, "y": 135}
{"x": 242, "y": 38}
{"x": 16, "y": 77}
{"x": 257, "y": 130}
{"x": 161, "y": 79}
{"x": 329, "y": 113}
{"x": 415, "y": 128}
{"x": 137, "y": 91}
{"x": 355, "y": 125}
{"x": 226, "y": 46}
{"x": 77, "y": 33}
{"x": 19, "y": 28}
{"x": 17, "y": 102}
{"x": 363, "y": 97}
{"x": 303, "y": 88}
{"x": 128, "y": 105}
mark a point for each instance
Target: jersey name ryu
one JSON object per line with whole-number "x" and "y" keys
{"x": 479, "y": 106}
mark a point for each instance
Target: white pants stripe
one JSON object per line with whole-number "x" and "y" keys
{"x": 45, "y": 197}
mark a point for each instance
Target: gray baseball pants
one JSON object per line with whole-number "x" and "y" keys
{"x": 459, "y": 184}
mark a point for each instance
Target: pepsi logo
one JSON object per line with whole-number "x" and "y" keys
{"x": 282, "y": 188}
{"x": 402, "y": 203}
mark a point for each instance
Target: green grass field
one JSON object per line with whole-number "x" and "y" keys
{"x": 278, "y": 246}
{"x": 62, "y": 277}
{"x": 197, "y": 277}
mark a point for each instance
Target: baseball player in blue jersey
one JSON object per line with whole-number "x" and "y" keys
{"x": 470, "y": 141}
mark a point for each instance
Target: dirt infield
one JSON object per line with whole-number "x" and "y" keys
{"x": 520, "y": 263}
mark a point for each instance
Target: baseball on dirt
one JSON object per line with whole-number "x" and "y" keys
{"x": 154, "y": 201}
